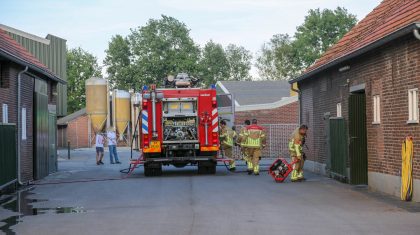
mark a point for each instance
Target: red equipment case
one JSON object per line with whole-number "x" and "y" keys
{"x": 280, "y": 169}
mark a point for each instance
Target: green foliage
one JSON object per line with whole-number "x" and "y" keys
{"x": 320, "y": 31}
{"x": 284, "y": 58}
{"x": 276, "y": 58}
{"x": 162, "y": 47}
{"x": 117, "y": 61}
{"x": 239, "y": 62}
{"x": 81, "y": 66}
{"x": 213, "y": 65}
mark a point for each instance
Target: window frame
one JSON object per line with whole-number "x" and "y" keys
{"x": 413, "y": 106}
{"x": 339, "y": 110}
{"x": 376, "y": 99}
{"x": 23, "y": 123}
{"x": 5, "y": 113}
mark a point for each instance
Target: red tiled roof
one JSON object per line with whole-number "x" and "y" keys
{"x": 386, "y": 18}
{"x": 9, "y": 46}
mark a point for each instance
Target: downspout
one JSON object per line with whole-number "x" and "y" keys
{"x": 300, "y": 101}
{"x": 19, "y": 134}
{"x": 416, "y": 33}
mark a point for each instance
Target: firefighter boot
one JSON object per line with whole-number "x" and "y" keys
{"x": 294, "y": 176}
{"x": 232, "y": 165}
{"x": 250, "y": 167}
{"x": 300, "y": 175}
{"x": 257, "y": 170}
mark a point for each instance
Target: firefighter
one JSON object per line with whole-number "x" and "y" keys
{"x": 296, "y": 152}
{"x": 255, "y": 142}
{"x": 241, "y": 142}
{"x": 227, "y": 137}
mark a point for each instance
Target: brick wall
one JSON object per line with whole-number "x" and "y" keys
{"x": 77, "y": 132}
{"x": 9, "y": 96}
{"x": 282, "y": 115}
{"x": 389, "y": 72}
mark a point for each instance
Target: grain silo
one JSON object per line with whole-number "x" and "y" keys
{"x": 97, "y": 102}
{"x": 121, "y": 103}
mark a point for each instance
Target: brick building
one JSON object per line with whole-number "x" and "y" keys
{"x": 28, "y": 92}
{"x": 360, "y": 100}
{"x": 74, "y": 128}
{"x": 268, "y": 101}
{"x": 272, "y": 103}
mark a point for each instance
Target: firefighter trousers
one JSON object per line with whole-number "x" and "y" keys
{"x": 297, "y": 173}
{"x": 227, "y": 153}
{"x": 254, "y": 155}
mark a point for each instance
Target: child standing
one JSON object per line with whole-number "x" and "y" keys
{"x": 99, "y": 143}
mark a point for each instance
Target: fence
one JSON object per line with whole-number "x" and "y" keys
{"x": 8, "y": 156}
{"x": 277, "y": 140}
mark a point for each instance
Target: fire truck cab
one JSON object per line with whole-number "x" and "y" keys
{"x": 179, "y": 126}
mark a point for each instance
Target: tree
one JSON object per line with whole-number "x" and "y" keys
{"x": 276, "y": 58}
{"x": 213, "y": 65}
{"x": 118, "y": 64}
{"x": 284, "y": 58}
{"x": 320, "y": 30}
{"x": 81, "y": 66}
{"x": 162, "y": 47}
{"x": 239, "y": 62}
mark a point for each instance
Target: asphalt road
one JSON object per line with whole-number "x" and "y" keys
{"x": 83, "y": 198}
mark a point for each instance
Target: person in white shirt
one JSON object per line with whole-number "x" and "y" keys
{"x": 99, "y": 143}
{"x": 112, "y": 145}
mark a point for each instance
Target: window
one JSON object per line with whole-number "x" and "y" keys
{"x": 376, "y": 109}
{"x": 339, "y": 110}
{"x": 413, "y": 106}
{"x": 23, "y": 123}
{"x": 5, "y": 112}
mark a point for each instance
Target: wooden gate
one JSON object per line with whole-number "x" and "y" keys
{"x": 358, "y": 139}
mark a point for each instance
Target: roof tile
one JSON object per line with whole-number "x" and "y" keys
{"x": 386, "y": 18}
{"x": 10, "y": 46}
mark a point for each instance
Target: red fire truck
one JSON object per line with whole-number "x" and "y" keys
{"x": 179, "y": 126}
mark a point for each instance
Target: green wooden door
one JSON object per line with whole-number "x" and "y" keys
{"x": 8, "y": 156}
{"x": 41, "y": 135}
{"x": 338, "y": 148}
{"x": 358, "y": 139}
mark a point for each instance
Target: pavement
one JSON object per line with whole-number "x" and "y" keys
{"x": 83, "y": 198}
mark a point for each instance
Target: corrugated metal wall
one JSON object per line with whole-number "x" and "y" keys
{"x": 54, "y": 56}
{"x": 7, "y": 154}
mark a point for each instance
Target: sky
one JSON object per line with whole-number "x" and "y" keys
{"x": 90, "y": 24}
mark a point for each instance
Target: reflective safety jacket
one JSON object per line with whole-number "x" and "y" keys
{"x": 227, "y": 135}
{"x": 254, "y": 137}
{"x": 242, "y": 138}
{"x": 295, "y": 144}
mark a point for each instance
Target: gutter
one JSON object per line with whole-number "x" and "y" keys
{"x": 33, "y": 67}
{"x": 300, "y": 101}
{"x": 386, "y": 39}
{"x": 19, "y": 131}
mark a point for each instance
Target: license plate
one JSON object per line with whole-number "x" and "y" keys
{"x": 155, "y": 144}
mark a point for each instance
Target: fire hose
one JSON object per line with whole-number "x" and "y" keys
{"x": 407, "y": 169}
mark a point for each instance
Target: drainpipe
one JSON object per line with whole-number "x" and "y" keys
{"x": 19, "y": 135}
{"x": 300, "y": 102}
{"x": 416, "y": 33}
